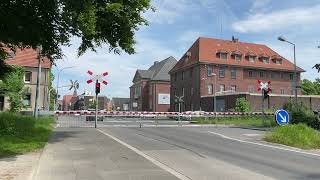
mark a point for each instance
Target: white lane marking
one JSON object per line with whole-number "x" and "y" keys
{"x": 252, "y": 135}
{"x": 296, "y": 150}
{"x": 154, "y": 161}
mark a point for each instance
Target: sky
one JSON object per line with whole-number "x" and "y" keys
{"x": 176, "y": 24}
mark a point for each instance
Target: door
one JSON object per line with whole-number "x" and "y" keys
{"x": 220, "y": 105}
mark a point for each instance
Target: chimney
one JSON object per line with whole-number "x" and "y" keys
{"x": 156, "y": 62}
{"x": 235, "y": 39}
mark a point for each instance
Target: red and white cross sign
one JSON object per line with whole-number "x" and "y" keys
{"x": 97, "y": 77}
{"x": 264, "y": 86}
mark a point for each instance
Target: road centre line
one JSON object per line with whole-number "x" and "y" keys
{"x": 296, "y": 150}
{"x": 154, "y": 161}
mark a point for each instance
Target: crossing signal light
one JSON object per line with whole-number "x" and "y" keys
{"x": 265, "y": 94}
{"x": 97, "y": 88}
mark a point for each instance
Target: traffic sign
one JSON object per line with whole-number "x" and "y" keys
{"x": 97, "y": 77}
{"x": 282, "y": 117}
{"x": 264, "y": 86}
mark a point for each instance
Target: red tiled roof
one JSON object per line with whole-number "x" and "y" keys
{"x": 205, "y": 50}
{"x": 28, "y": 58}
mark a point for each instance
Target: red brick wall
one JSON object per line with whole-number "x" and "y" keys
{"x": 243, "y": 81}
{"x": 160, "y": 88}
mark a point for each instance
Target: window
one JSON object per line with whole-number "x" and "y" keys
{"x": 281, "y": 75}
{"x": 210, "y": 70}
{"x": 278, "y": 61}
{"x": 237, "y": 57}
{"x": 251, "y": 89}
{"x": 223, "y": 56}
{"x": 210, "y": 87}
{"x": 252, "y": 58}
{"x": 265, "y": 60}
{"x": 182, "y": 75}
{"x": 221, "y": 72}
{"x": 250, "y": 73}
{"x": 281, "y": 91}
{"x": 27, "y": 100}
{"x": 222, "y": 87}
{"x": 233, "y": 73}
{"x": 291, "y": 76}
{"x": 271, "y": 75}
{"x": 233, "y": 88}
{"x": 27, "y": 77}
{"x": 261, "y": 74}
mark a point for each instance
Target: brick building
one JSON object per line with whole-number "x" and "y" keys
{"x": 28, "y": 59}
{"x": 235, "y": 66}
{"x": 151, "y": 88}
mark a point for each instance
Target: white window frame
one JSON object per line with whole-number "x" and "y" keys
{"x": 209, "y": 70}
{"x": 265, "y": 60}
{"x": 210, "y": 89}
{"x": 222, "y": 57}
{"x": 252, "y": 59}
{"x": 237, "y": 57}
{"x": 282, "y": 91}
{"x": 222, "y": 87}
{"x": 233, "y": 88}
{"x": 24, "y": 77}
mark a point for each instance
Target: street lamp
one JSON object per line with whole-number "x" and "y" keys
{"x": 58, "y": 79}
{"x": 283, "y": 39}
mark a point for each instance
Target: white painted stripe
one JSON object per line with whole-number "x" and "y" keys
{"x": 252, "y": 135}
{"x": 154, "y": 161}
{"x": 296, "y": 150}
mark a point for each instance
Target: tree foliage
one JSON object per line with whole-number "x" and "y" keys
{"x": 242, "y": 105}
{"x": 53, "y": 91}
{"x": 310, "y": 87}
{"x": 51, "y": 23}
{"x": 13, "y": 87}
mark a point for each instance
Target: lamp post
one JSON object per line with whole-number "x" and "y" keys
{"x": 36, "y": 104}
{"x": 283, "y": 39}
{"x": 58, "y": 79}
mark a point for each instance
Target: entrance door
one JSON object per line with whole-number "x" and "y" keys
{"x": 1, "y": 103}
{"x": 220, "y": 105}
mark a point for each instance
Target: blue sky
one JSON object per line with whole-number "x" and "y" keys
{"x": 178, "y": 23}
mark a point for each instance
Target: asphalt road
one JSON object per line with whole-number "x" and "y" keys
{"x": 202, "y": 153}
{"x": 199, "y": 153}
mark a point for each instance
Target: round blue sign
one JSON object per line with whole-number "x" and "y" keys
{"x": 282, "y": 117}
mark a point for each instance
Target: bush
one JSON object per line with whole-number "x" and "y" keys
{"x": 13, "y": 124}
{"x": 298, "y": 135}
{"x": 300, "y": 113}
{"x": 242, "y": 105}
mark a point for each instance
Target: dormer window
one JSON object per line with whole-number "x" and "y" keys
{"x": 252, "y": 58}
{"x": 278, "y": 61}
{"x": 223, "y": 55}
{"x": 265, "y": 60}
{"x": 237, "y": 57}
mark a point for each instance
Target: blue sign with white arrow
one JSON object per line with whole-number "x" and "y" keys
{"x": 282, "y": 117}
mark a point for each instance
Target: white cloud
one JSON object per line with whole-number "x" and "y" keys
{"x": 279, "y": 20}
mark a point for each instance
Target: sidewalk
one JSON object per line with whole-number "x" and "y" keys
{"x": 85, "y": 153}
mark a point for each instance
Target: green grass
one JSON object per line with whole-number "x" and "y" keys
{"x": 256, "y": 121}
{"x": 298, "y": 135}
{"x": 20, "y": 134}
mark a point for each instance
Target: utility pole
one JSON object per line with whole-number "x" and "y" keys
{"x": 36, "y": 104}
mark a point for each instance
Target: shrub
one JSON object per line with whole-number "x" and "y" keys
{"x": 298, "y": 135}
{"x": 13, "y": 124}
{"x": 300, "y": 113}
{"x": 242, "y": 105}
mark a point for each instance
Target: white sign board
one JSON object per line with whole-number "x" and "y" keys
{"x": 135, "y": 104}
{"x": 125, "y": 107}
{"x": 163, "y": 98}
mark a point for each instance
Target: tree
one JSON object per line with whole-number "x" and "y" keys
{"x": 310, "y": 87}
{"x": 13, "y": 87}
{"x": 53, "y": 92}
{"x": 52, "y": 23}
{"x": 242, "y": 105}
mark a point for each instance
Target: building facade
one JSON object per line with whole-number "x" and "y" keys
{"x": 151, "y": 88}
{"x": 215, "y": 67}
{"x": 28, "y": 59}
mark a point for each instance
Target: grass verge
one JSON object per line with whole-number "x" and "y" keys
{"x": 20, "y": 134}
{"x": 256, "y": 121}
{"x": 297, "y": 135}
